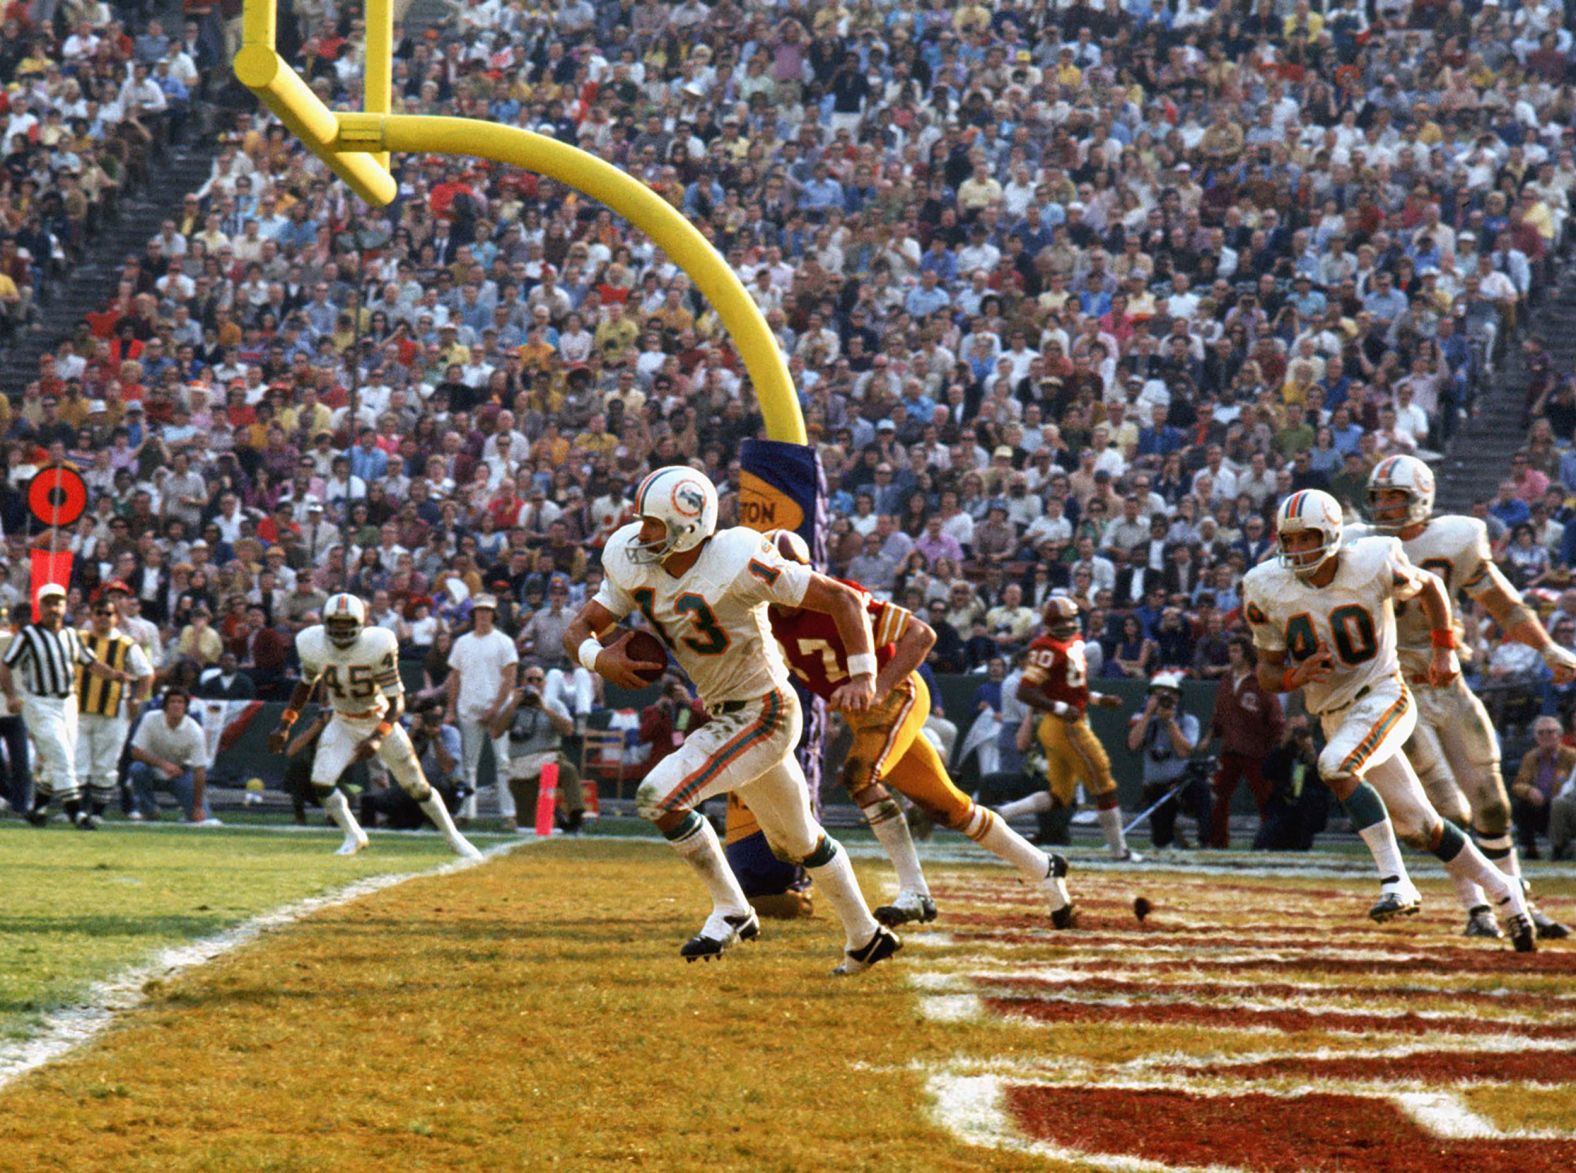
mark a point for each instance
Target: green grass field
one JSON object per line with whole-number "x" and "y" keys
{"x": 79, "y": 908}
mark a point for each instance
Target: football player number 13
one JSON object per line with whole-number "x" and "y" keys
{"x": 709, "y": 638}
{"x": 1351, "y": 627}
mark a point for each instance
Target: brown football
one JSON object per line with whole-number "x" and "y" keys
{"x": 644, "y": 647}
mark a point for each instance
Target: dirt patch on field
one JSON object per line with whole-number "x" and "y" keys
{"x": 1260, "y": 1132}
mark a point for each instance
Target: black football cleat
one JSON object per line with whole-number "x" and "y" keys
{"x": 909, "y": 908}
{"x": 1548, "y": 928}
{"x": 39, "y": 817}
{"x": 718, "y": 935}
{"x": 1481, "y": 923}
{"x": 881, "y": 946}
{"x": 1396, "y": 898}
{"x": 1055, "y": 888}
{"x": 1522, "y": 933}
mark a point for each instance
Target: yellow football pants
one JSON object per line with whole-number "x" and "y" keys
{"x": 890, "y": 747}
{"x": 1073, "y": 754}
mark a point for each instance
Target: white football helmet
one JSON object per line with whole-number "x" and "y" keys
{"x": 1404, "y": 474}
{"x": 343, "y": 618}
{"x": 686, "y": 504}
{"x": 1311, "y": 509}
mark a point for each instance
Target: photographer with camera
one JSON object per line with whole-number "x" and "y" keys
{"x": 437, "y": 748}
{"x": 1166, "y": 737}
{"x": 536, "y": 737}
{"x": 1297, "y": 806}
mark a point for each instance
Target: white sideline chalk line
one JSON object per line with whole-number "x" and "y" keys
{"x": 96, "y": 1009}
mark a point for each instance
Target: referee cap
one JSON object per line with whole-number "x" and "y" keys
{"x": 49, "y": 589}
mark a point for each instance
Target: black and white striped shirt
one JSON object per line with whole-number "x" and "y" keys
{"x": 51, "y": 658}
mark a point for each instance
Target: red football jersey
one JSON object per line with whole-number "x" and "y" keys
{"x": 1060, "y": 670}
{"x": 814, "y": 650}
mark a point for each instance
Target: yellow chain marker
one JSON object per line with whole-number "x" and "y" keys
{"x": 357, "y": 147}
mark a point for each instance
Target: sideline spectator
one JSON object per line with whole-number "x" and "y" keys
{"x": 1249, "y": 724}
{"x": 169, "y": 750}
{"x": 1544, "y": 774}
{"x": 481, "y": 692}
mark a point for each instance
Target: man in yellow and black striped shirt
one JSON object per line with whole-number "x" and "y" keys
{"x": 107, "y": 706}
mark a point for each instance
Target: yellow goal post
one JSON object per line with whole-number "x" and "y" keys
{"x": 357, "y": 146}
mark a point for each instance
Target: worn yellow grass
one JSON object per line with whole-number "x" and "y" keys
{"x": 533, "y": 1013}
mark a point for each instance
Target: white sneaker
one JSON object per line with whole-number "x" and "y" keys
{"x": 210, "y": 821}
{"x": 135, "y": 816}
{"x": 464, "y": 848}
{"x": 1128, "y": 856}
{"x": 354, "y": 843}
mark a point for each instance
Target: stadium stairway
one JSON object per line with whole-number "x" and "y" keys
{"x": 1479, "y": 456}
{"x": 87, "y": 285}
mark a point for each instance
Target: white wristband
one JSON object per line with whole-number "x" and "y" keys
{"x": 590, "y": 649}
{"x": 864, "y": 664}
{"x": 1060, "y": 708}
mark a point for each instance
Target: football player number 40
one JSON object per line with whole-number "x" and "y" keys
{"x": 1351, "y": 629}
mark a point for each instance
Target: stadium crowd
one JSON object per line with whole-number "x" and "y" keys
{"x": 1073, "y": 295}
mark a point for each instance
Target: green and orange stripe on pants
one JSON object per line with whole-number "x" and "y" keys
{"x": 1353, "y": 762}
{"x": 759, "y": 730}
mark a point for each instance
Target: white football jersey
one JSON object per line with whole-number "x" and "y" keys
{"x": 713, "y": 619}
{"x": 359, "y": 679}
{"x": 1455, "y": 548}
{"x": 1354, "y": 616}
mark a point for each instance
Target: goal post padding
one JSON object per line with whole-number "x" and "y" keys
{"x": 781, "y": 486}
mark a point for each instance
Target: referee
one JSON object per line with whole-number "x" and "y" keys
{"x": 50, "y": 654}
{"x": 106, "y": 708}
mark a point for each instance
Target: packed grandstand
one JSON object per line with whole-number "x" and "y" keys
{"x": 1072, "y": 296}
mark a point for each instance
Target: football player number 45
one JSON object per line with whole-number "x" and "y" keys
{"x": 359, "y": 684}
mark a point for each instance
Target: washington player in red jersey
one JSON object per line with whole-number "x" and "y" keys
{"x": 889, "y": 746}
{"x": 1056, "y": 683}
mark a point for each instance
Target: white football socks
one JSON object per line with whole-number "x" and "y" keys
{"x": 1033, "y": 805}
{"x": 1471, "y": 864}
{"x": 432, "y": 806}
{"x": 1000, "y": 840}
{"x": 338, "y": 809}
{"x": 1501, "y": 851}
{"x": 1380, "y": 838}
{"x": 836, "y": 880}
{"x": 701, "y": 850}
{"x": 891, "y": 831}
{"x": 1111, "y": 824}
{"x": 1468, "y": 892}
